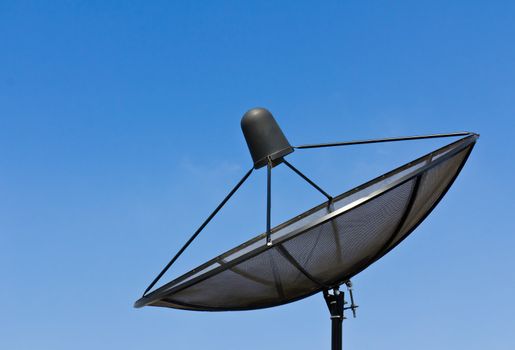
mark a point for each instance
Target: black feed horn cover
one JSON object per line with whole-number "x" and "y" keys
{"x": 264, "y": 137}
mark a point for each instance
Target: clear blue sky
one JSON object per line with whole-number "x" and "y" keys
{"x": 119, "y": 133}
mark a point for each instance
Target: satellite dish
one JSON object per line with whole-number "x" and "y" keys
{"x": 323, "y": 248}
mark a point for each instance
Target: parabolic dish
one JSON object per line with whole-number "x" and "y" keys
{"x": 323, "y": 247}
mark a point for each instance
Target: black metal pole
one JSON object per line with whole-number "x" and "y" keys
{"x": 336, "y": 333}
{"x": 389, "y": 139}
{"x": 170, "y": 263}
{"x": 335, "y": 303}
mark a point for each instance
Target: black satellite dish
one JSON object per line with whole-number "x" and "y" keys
{"x": 322, "y": 248}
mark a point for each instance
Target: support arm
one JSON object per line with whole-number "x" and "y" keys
{"x": 204, "y": 224}
{"x": 268, "y": 201}
{"x": 308, "y": 180}
{"x": 389, "y": 139}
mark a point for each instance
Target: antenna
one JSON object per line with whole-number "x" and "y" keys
{"x": 321, "y": 249}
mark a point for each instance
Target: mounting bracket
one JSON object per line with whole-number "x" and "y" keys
{"x": 336, "y": 304}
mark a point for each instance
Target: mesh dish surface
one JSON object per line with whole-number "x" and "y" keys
{"x": 323, "y": 247}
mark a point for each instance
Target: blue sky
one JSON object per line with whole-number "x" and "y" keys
{"x": 119, "y": 133}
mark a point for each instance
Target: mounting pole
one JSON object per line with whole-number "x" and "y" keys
{"x": 335, "y": 303}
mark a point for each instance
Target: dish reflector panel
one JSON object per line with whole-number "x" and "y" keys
{"x": 323, "y": 247}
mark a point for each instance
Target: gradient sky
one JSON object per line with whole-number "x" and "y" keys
{"x": 119, "y": 133}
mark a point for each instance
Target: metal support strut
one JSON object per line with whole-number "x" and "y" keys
{"x": 389, "y": 139}
{"x": 308, "y": 180}
{"x": 268, "y": 201}
{"x": 204, "y": 224}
